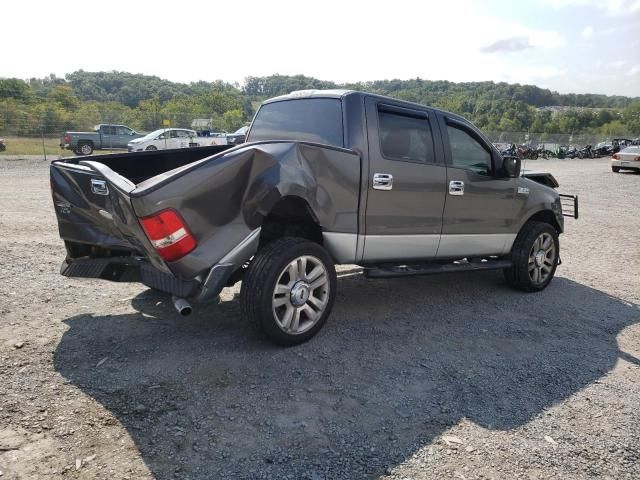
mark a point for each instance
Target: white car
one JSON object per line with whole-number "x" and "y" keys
{"x": 627, "y": 159}
{"x": 163, "y": 139}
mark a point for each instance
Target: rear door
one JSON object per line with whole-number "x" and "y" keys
{"x": 183, "y": 139}
{"x": 406, "y": 184}
{"x": 109, "y": 137}
{"x": 479, "y": 211}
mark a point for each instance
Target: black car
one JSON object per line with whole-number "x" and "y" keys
{"x": 621, "y": 143}
{"x": 237, "y": 137}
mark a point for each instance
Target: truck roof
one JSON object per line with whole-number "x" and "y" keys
{"x": 340, "y": 93}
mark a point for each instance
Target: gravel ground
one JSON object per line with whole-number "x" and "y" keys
{"x": 452, "y": 376}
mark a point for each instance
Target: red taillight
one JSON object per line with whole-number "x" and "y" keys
{"x": 67, "y": 138}
{"x": 616, "y": 156}
{"x": 168, "y": 234}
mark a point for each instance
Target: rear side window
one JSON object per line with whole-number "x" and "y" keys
{"x": 467, "y": 152}
{"x": 405, "y": 137}
{"x": 317, "y": 120}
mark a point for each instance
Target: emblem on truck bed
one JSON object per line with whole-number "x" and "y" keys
{"x": 99, "y": 187}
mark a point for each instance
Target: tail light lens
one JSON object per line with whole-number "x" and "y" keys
{"x": 67, "y": 138}
{"x": 168, "y": 234}
{"x": 616, "y": 156}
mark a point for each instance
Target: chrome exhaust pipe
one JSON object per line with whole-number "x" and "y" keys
{"x": 182, "y": 306}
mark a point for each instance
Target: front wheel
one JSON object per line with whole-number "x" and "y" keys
{"x": 288, "y": 290}
{"x": 151, "y": 148}
{"x": 615, "y": 169}
{"x": 535, "y": 256}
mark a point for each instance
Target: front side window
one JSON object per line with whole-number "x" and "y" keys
{"x": 124, "y": 131}
{"x": 317, "y": 120}
{"x": 405, "y": 137}
{"x": 467, "y": 152}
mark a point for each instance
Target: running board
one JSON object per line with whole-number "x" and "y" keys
{"x": 432, "y": 268}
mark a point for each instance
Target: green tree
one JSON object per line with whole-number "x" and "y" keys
{"x": 64, "y": 95}
{"x": 631, "y": 117}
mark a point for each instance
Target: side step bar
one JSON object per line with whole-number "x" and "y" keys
{"x": 432, "y": 268}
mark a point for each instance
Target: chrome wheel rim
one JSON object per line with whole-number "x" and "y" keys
{"x": 85, "y": 149}
{"x": 301, "y": 295}
{"x": 541, "y": 258}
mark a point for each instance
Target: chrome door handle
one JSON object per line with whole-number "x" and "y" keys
{"x": 456, "y": 187}
{"x": 382, "y": 181}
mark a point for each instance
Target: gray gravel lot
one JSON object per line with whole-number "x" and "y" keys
{"x": 452, "y": 376}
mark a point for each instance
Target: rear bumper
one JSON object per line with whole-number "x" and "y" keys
{"x": 137, "y": 269}
{"x": 625, "y": 164}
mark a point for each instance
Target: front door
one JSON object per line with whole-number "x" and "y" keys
{"x": 480, "y": 202}
{"x": 124, "y": 137}
{"x": 406, "y": 189}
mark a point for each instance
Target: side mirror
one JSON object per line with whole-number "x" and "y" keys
{"x": 511, "y": 167}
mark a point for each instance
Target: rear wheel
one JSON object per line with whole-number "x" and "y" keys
{"x": 84, "y": 149}
{"x": 535, "y": 256}
{"x": 288, "y": 290}
{"x": 615, "y": 169}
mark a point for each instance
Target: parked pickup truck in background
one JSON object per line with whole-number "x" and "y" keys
{"x": 325, "y": 178}
{"x": 105, "y": 137}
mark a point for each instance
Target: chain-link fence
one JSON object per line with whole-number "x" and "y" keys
{"x": 25, "y": 133}
{"x": 555, "y": 138}
{"x": 554, "y": 142}
{"x": 28, "y": 134}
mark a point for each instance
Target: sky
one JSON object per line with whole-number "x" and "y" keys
{"x": 580, "y": 46}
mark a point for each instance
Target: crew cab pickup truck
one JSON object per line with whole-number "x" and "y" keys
{"x": 105, "y": 137}
{"x": 325, "y": 178}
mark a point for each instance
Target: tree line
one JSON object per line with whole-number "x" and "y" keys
{"x": 82, "y": 99}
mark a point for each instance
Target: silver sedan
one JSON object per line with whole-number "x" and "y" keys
{"x": 627, "y": 159}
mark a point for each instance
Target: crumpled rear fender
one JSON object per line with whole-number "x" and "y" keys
{"x": 224, "y": 199}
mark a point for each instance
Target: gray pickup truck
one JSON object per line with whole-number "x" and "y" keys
{"x": 325, "y": 178}
{"x": 104, "y": 137}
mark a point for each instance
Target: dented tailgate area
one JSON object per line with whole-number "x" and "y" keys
{"x": 222, "y": 200}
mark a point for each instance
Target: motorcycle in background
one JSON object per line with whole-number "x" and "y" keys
{"x": 586, "y": 152}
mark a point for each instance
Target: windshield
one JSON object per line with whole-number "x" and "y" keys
{"x": 241, "y": 131}
{"x": 317, "y": 120}
{"x": 154, "y": 134}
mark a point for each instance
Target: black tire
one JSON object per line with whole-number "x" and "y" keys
{"x": 151, "y": 148}
{"x": 84, "y": 149}
{"x": 257, "y": 297}
{"x": 615, "y": 169}
{"x": 520, "y": 275}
